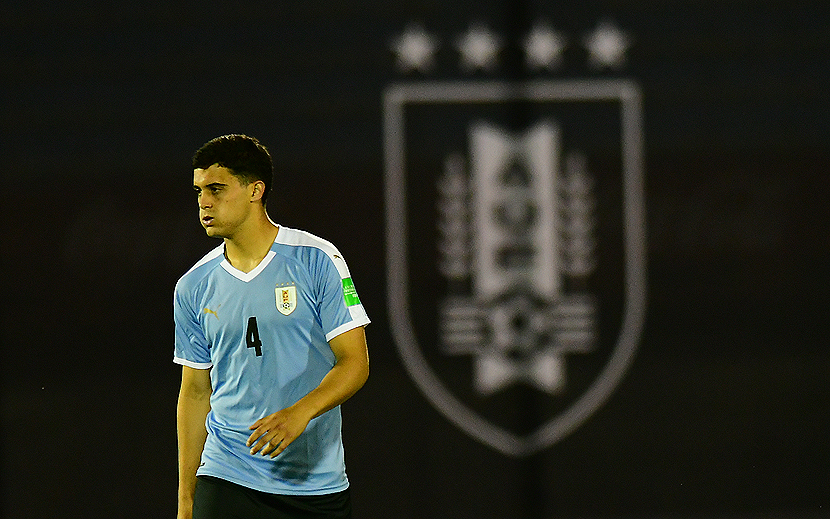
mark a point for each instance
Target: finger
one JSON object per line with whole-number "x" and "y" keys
{"x": 256, "y": 434}
{"x": 261, "y": 443}
{"x": 267, "y": 443}
{"x": 259, "y": 432}
{"x": 269, "y": 447}
{"x": 258, "y": 429}
{"x": 282, "y": 446}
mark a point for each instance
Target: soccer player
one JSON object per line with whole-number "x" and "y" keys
{"x": 269, "y": 333}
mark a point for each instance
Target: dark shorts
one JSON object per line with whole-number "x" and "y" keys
{"x": 219, "y": 499}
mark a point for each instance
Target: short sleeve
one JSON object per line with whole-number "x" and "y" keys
{"x": 191, "y": 348}
{"x": 340, "y": 308}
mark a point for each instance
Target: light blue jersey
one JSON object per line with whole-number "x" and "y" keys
{"x": 265, "y": 334}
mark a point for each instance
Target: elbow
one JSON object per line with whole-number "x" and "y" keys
{"x": 361, "y": 375}
{"x": 363, "y": 369}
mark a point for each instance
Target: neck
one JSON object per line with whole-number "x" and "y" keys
{"x": 246, "y": 249}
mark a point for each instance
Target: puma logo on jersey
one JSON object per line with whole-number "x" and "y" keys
{"x": 211, "y": 312}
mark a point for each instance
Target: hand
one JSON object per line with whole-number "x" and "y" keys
{"x": 276, "y": 431}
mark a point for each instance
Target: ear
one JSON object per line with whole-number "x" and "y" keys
{"x": 258, "y": 191}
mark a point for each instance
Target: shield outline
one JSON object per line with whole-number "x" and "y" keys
{"x": 395, "y": 99}
{"x": 291, "y": 290}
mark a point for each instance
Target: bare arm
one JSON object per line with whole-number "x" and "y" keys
{"x": 192, "y": 409}
{"x": 276, "y": 431}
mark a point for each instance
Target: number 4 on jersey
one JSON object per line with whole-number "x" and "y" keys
{"x": 252, "y": 336}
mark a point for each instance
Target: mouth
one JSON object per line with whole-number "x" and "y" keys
{"x": 207, "y": 221}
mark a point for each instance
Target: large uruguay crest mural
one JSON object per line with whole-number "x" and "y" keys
{"x": 515, "y": 235}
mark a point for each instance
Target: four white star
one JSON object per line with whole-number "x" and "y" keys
{"x": 479, "y": 48}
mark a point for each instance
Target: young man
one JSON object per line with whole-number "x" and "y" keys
{"x": 269, "y": 333}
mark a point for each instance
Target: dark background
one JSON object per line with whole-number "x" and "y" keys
{"x": 724, "y": 412}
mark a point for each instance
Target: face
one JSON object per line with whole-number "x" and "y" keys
{"x": 225, "y": 203}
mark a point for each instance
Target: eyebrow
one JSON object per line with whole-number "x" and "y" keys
{"x": 211, "y": 185}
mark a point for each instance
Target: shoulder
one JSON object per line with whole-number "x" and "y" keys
{"x": 311, "y": 247}
{"x": 201, "y": 269}
{"x": 297, "y": 238}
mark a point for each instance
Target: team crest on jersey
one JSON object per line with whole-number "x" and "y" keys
{"x": 286, "y": 298}
{"x": 515, "y": 249}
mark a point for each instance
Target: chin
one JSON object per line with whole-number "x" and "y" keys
{"x": 212, "y": 232}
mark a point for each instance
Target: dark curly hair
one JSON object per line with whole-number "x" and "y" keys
{"x": 244, "y": 156}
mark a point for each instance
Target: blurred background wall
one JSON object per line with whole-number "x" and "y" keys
{"x": 722, "y": 411}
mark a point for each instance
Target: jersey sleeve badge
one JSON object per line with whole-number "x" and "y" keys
{"x": 350, "y": 293}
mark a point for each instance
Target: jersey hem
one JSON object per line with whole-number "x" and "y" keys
{"x": 191, "y": 364}
{"x": 280, "y": 492}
